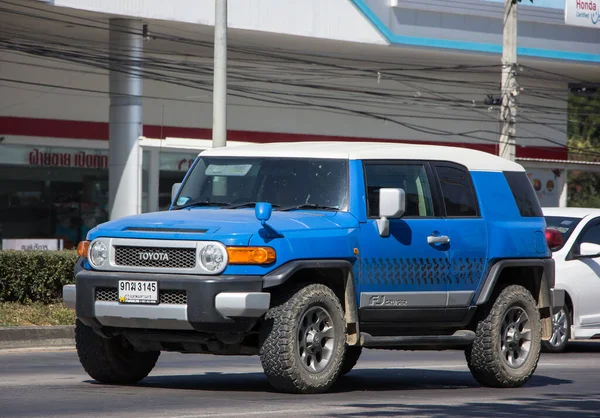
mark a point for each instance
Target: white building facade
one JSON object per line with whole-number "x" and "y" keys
{"x": 83, "y": 80}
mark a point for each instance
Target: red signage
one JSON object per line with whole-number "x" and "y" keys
{"x": 586, "y": 5}
{"x": 92, "y": 159}
{"x": 79, "y": 159}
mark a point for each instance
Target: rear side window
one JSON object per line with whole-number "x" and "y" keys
{"x": 457, "y": 191}
{"x": 522, "y": 190}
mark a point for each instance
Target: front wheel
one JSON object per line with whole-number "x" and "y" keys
{"x": 303, "y": 340}
{"x": 112, "y": 360}
{"x": 507, "y": 345}
{"x": 561, "y": 332}
{"x": 351, "y": 357}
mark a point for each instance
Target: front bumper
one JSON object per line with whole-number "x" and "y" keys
{"x": 204, "y": 303}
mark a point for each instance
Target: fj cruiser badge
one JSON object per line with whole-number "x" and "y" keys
{"x": 380, "y": 300}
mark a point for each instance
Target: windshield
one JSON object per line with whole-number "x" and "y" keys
{"x": 564, "y": 225}
{"x": 283, "y": 182}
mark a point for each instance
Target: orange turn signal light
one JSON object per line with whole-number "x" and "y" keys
{"x": 251, "y": 255}
{"x": 83, "y": 248}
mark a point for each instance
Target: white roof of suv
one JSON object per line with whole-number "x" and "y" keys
{"x": 472, "y": 159}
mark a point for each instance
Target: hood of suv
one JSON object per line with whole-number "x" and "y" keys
{"x": 230, "y": 226}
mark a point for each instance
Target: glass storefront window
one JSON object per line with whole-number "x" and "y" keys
{"x": 173, "y": 167}
{"x": 63, "y": 192}
{"x": 51, "y": 203}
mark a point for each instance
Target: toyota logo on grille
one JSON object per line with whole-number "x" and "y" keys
{"x": 148, "y": 256}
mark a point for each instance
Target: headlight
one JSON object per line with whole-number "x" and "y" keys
{"x": 212, "y": 258}
{"x": 98, "y": 254}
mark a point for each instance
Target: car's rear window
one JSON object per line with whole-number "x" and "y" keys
{"x": 562, "y": 224}
{"x": 522, "y": 190}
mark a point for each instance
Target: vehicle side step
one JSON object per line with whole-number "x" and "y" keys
{"x": 458, "y": 339}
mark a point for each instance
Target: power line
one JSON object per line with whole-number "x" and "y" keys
{"x": 260, "y": 95}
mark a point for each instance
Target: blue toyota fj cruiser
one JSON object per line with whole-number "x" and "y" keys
{"x": 306, "y": 253}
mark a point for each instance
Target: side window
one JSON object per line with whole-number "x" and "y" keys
{"x": 591, "y": 239}
{"x": 410, "y": 177}
{"x": 592, "y": 235}
{"x": 457, "y": 191}
{"x": 522, "y": 190}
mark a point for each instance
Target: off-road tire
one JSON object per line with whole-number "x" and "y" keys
{"x": 113, "y": 360}
{"x": 548, "y": 347}
{"x": 484, "y": 356}
{"x": 280, "y": 340}
{"x": 353, "y": 353}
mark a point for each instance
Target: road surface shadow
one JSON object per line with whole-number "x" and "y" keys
{"x": 417, "y": 379}
{"x": 582, "y": 347}
{"x": 358, "y": 380}
{"x": 547, "y": 406}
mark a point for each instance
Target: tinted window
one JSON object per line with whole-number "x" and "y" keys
{"x": 562, "y": 224}
{"x": 524, "y": 195}
{"x": 411, "y": 178}
{"x": 279, "y": 181}
{"x": 592, "y": 235}
{"x": 457, "y": 191}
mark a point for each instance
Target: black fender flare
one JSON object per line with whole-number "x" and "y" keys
{"x": 281, "y": 275}
{"x": 547, "y": 278}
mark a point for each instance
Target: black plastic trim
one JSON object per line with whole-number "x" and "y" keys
{"x": 79, "y": 265}
{"x": 283, "y": 273}
{"x": 397, "y": 316}
{"x": 547, "y": 264}
{"x": 459, "y": 339}
{"x": 201, "y": 292}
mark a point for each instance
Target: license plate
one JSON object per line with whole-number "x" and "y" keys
{"x": 138, "y": 291}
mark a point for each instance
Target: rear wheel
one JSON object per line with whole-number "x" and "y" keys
{"x": 561, "y": 332}
{"x": 507, "y": 346}
{"x": 112, "y": 360}
{"x": 303, "y": 340}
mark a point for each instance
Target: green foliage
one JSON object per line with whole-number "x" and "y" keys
{"x": 584, "y": 145}
{"x": 35, "y": 276}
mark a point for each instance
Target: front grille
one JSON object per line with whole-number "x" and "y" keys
{"x": 182, "y": 258}
{"x": 173, "y": 297}
{"x": 107, "y": 294}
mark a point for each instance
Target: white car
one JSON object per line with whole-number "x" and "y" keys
{"x": 574, "y": 237}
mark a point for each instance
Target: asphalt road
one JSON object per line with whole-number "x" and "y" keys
{"x": 51, "y": 383}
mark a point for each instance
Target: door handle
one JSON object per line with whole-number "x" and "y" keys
{"x": 439, "y": 239}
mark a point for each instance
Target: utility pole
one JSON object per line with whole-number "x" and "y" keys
{"x": 219, "y": 133}
{"x": 509, "y": 87}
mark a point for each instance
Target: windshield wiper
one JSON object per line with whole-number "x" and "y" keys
{"x": 245, "y": 204}
{"x": 200, "y": 203}
{"x": 310, "y": 206}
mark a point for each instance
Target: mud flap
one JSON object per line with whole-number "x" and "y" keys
{"x": 351, "y": 311}
{"x": 545, "y": 308}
